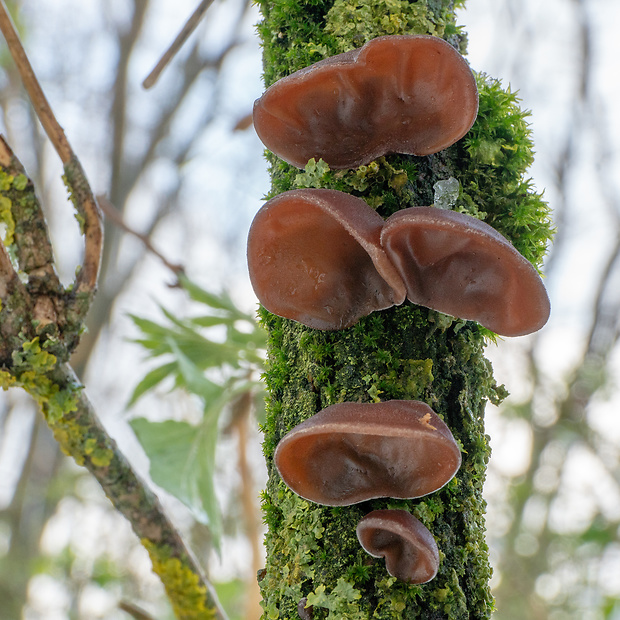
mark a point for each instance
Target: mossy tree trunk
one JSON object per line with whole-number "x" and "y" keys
{"x": 406, "y": 352}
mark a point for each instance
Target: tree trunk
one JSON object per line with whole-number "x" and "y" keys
{"x": 407, "y": 352}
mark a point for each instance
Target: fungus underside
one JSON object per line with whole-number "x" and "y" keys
{"x": 406, "y": 352}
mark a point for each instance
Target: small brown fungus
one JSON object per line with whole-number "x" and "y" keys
{"x": 352, "y": 452}
{"x": 314, "y": 255}
{"x": 409, "y": 549}
{"x": 411, "y": 94}
{"x": 456, "y": 264}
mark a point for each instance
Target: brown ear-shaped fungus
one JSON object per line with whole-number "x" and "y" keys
{"x": 396, "y": 94}
{"x": 315, "y": 256}
{"x": 352, "y": 452}
{"x": 456, "y": 264}
{"x": 410, "y": 550}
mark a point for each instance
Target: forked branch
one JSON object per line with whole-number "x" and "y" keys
{"x": 88, "y": 211}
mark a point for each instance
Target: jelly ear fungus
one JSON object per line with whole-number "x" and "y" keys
{"x": 352, "y": 452}
{"x": 412, "y": 94}
{"x": 459, "y": 265}
{"x": 315, "y": 256}
{"x": 409, "y": 549}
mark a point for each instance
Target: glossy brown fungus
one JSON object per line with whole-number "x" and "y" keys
{"x": 352, "y": 452}
{"x": 456, "y": 264}
{"x": 315, "y": 256}
{"x": 409, "y": 549}
{"x": 396, "y": 94}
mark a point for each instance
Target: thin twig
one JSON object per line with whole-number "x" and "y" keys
{"x": 134, "y": 611}
{"x": 116, "y": 218}
{"x": 42, "y": 107}
{"x": 176, "y": 45}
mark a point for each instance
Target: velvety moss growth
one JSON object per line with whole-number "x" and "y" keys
{"x": 406, "y": 352}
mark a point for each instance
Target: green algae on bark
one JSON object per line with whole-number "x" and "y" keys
{"x": 313, "y": 555}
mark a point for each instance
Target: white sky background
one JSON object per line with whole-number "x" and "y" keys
{"x": 532, "y": 50}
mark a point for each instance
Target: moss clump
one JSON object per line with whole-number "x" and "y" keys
{"x": 498, "y": 153}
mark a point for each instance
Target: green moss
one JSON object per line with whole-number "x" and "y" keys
{"x": 341, "y": 602}
{"x": 297, "y": 34}
{"x": 182, "y": 585}
{"x": 498, "y": 152}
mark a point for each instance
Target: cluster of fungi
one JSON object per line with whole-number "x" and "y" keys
{"x": 325, "y": 258}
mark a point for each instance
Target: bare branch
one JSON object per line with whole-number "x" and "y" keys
{"x": 116, "y": 218}
{"x": 170, "y": 53}
{"x": 88, "y": 210}
{"x": 126, "y": 43}
{"x": 39, "y": 101}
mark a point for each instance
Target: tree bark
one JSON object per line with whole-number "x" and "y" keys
{"x": 315, "y": 565}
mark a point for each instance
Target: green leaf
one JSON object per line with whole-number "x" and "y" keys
{"x": 150, "y": 328}
{"x": 193, "y": 377}
{"x": 153, "y": 378}
{"x": 182, "y": 460}
{"x": 219, "y": 302}
{"x": 211, "y": 321}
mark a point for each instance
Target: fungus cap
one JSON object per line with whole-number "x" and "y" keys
{"x": 352, "y": 452}
{"x": 410, "y": 94}
{"x": 409, "y": 549}
{"x": 315, "y": 256}
{"x": 456, "y": 264}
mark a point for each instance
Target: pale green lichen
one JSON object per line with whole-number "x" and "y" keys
{"x": 355, "y": 22}
{"x": 31, "y": 370}
{"x": 184, "y": 588}
{"x": 342, "y": 601}
{"x": 8, "y": 182}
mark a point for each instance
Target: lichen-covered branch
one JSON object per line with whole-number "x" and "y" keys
{"x": 80, "y": 434}
{"x": 41, "y": 323}
{"x": 25, "y": 223}
{"x": 87, "y": 210}
{"x": 39, "y": 329}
